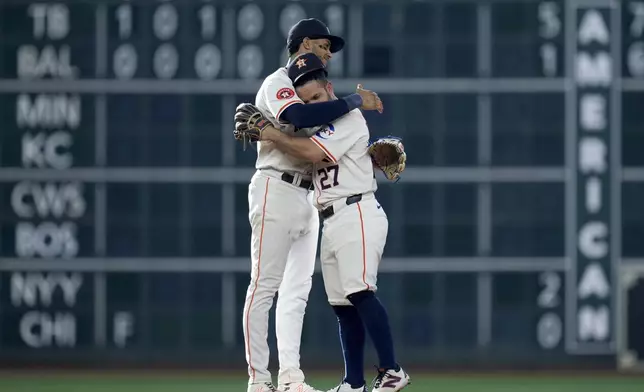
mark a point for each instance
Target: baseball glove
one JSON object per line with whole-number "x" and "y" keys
{"x": 250, "y": 122}
{"x": 388, "y": 154}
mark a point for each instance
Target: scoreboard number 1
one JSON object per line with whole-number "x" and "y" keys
{"x": 208, "y": 16}
{"x": 124, "y": 18}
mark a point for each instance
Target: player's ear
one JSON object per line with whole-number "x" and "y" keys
{"x": 306, "y": 44}
{"x": 329, "y": 87}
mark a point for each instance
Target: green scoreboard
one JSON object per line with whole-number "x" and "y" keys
{"x": 515, "y": 233}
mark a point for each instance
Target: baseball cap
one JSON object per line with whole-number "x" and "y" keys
{"x": 304, "y": 64}
{"x": 314, "y": 29}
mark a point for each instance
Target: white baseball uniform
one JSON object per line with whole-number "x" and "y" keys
{"x": 354, "y": 237}
{"x": 283, "y": 244}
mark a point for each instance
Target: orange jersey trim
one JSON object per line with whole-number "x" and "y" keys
{"x": 252, "y": 297}
{"x": 287, "y": 104}
{"x": 318, "y": 192}
{"x": 364, "y": 249}
{"x": 326, "y": 151}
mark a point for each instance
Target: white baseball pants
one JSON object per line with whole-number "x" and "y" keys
{"x": 353, "y": 240}
{"x": 284, "y": 238}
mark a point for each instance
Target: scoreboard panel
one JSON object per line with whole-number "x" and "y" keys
{"x": 115, "y": 248}
{"x": 157, "y": 311}
{"x": 633, "y": 221}
{"x": 631, "y": 132}
{"x": 42, "y": 40}
{"x": 545, "y": 321}
{"x": 528, "y": 130}
{"x": 47, "y": 130}
{"x": 632, "y": 33}
{"x": 528, "y": 220}
{"x": 442, "y": 215}
{"x": 46, "y": 309}
{"x": 163, "y": 131}
{"x": 143, "y": 220}
{"x": 442, "y": 39}
{"x": 528, "y": 39}
{"x": 47, "y": 219}
{"x": 453, "y": 139}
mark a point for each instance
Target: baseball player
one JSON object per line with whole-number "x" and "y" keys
{"x": 284, "y": 224}
{"x": 355, "y": 225}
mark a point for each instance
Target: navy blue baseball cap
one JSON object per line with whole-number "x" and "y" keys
{"x": 313, "y": 29}
{"x": 305, "y": 64}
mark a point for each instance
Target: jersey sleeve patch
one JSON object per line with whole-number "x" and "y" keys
{"x": 326, "y": 132}
{"x": 285, "y": 93}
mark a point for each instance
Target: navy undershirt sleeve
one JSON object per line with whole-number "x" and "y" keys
{"x": 314, "y": 114}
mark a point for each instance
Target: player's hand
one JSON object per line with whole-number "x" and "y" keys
{"x": 370, "y": 100}
{"x": 250, "y": 122}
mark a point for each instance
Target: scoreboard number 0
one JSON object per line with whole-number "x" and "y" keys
{"x": 549, "y": 330}
{"x": 166, "y": 61}
{"x": 165, "y": 21}
{"x": 125, "y": 61}
{"x": 208, "y": 62}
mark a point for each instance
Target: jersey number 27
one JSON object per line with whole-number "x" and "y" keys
{"x": 328, "y": 176}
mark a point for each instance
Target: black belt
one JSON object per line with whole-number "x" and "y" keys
{"x": 328, "y": 212}
{"x": 306, "y": 184}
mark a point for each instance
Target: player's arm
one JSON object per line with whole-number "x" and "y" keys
{"x": 287, "y": 107}
{"x": 327, "y": 144}
{"x": 314, "y": 114}
{"x": 301, "y": 148}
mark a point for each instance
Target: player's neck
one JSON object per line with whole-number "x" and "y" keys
{"x": 293, "y": 57}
